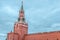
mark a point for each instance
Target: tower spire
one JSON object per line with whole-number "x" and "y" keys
{"x": 21, "y": 14}
{"x": 22, "y": 6}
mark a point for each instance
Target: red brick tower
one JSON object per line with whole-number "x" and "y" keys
{"x": 21, "y": 27}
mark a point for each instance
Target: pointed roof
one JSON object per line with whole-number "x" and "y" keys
{"x": 22, "y": 6}
{"x": 21, "y": 10}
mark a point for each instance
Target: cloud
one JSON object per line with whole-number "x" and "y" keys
{"x": 0, "y": 25}
{"x": 8, "y": 10}
{"x": 54, "y": 11}
{"x": 55, "y": 25}
{"x": 9, "y": 24}
{"x": 1, "y": 34}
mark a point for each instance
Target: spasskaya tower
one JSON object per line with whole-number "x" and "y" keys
{"x": 20, "y": 27}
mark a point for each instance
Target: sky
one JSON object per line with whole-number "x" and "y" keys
{"x": 41, "y": 15}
